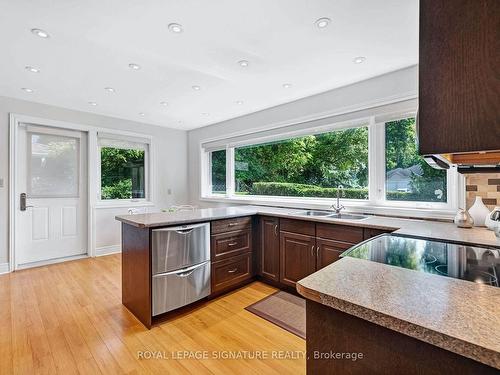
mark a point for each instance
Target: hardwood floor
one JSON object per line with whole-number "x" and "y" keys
{"x": 68, "y": 318}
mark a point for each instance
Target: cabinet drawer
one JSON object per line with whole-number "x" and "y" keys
{"x": 229, "y": 225}
{"x": 372, "y": 232}
{"x": 298, "y": 226}
{"x": 225, "y": 245}
{"x": 343, "y": 233}
{"x": 231, "y": 271}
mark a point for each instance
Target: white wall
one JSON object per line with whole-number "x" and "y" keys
{"x": 401, "y": 84}
{"x": 170, "y": 155}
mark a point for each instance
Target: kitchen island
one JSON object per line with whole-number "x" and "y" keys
{"x": 400, "y": 320}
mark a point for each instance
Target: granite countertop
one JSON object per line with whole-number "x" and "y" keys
{"x": 411, "y": 227}
{"x": 460, "y": 316}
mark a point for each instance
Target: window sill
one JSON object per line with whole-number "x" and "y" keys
{"x": 123, "y": 204}
{"x": 357, "y": 206}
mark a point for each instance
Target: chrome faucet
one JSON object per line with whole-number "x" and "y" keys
{"x": 337, "y": 207}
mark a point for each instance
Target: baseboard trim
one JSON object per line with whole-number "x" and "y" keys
{"x": 48, "y": 262}
{"x": 107, "y": 250}
{"x": 4, "y": 268}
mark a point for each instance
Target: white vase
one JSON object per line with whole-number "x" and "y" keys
{"x": 479, "y": 211}
{"x": 493, "y": 218}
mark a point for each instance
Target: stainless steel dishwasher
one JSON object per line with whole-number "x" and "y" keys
{"x": 180, "y": 266}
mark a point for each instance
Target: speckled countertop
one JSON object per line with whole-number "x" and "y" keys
{"x": 460, "y": 316}
{"x": 417, "y": 228}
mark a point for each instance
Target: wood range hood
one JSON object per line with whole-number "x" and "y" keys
{"x": 459, "y": 84}
{"x": 468, "y": 162}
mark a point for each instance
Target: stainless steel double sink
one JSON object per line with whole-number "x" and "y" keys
{"x": 329, "y": 214}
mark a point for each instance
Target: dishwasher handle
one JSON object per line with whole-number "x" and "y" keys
{"x": 183, "y": 272}
{"x": 181, "y": 229}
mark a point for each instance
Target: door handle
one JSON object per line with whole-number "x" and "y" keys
{"x": 22, "y": 202}
{"x": 275, "y": 229}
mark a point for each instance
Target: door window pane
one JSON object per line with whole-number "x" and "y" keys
{"x": 218, "y": 171}
{"x": 53, "y": 165}
{"x": 122, "y": 173}
{"x": 310, "y": 166}
{"x": 408, "y": 176}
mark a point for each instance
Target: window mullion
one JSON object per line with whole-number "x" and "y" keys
{"x": 230, "y": 172}
{"x": 376, "y": 149}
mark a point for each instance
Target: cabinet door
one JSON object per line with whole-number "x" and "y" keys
{"x": 269, "y": 248}
{"x": 298, "y": 257}
{"x": 329, "y": 251}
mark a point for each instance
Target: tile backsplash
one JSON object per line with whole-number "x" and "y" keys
{"x": 484, "y": 185}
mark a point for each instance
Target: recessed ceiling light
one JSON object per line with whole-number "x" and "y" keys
{"x": 109, "y": 89}
{"x": 32, "y": 69}
{"x": 196, "y": 88}
{"x": 359, "y": 59}
{"x": 142, "y": 114}
{"x": 93, "y": 104}
{"x": 27, "y": 89}
{"x": 287, "y": 85}
{"x": 164, "y": 103}
{"x": 134, "y": 66}
{"x": 40, "y": 33}
{"x": 322, "y": 22}
{"x": 243, "y": 63}
{"x": 175, "y": 28}
{"x": 239, "y": 102}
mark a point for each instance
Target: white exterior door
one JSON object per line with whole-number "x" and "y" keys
{"x": 52, "y": 173}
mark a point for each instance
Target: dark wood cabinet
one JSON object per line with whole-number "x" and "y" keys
{"x": 459, "y": 80}
{"x": 231, "y": 253}
{"x": 328, "y": 251}
{"x": 372, "y": 232}
{"x": 337, "y": 232}
{"x": 226, "y": 245}
{"x": 298, "y": 257}
{"x": 231, "y": 272}
{"x": 269, "y": 248}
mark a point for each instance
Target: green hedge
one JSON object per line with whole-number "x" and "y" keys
{"x": 287, "y": 189}
{"x": 415, "y": 197}
{"x": 302, "y": 190}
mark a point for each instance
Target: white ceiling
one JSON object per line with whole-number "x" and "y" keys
{"x": 92, "y": 42}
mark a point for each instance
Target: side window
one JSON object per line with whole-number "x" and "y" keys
{"x": 123, "y": 170}
{"x": 408, "y": 177}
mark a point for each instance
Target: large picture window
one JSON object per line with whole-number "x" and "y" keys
{"x": 371, "y": 161}
{"x": 123, "y": 169}
{"x": 310, "y": 166}
{"x": 408, "y": 176}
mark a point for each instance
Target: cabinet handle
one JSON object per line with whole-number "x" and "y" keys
{"x": 232, "y": 243}
{"x": 312, "y": 250}
{"x": 232, "y": 224}
{"x": 275, "y": 229}
{"x": 317, "y": 252}
{"x": 233, "y": 270}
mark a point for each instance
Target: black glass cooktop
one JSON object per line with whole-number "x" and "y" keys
{"x": 472, "y": 263}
